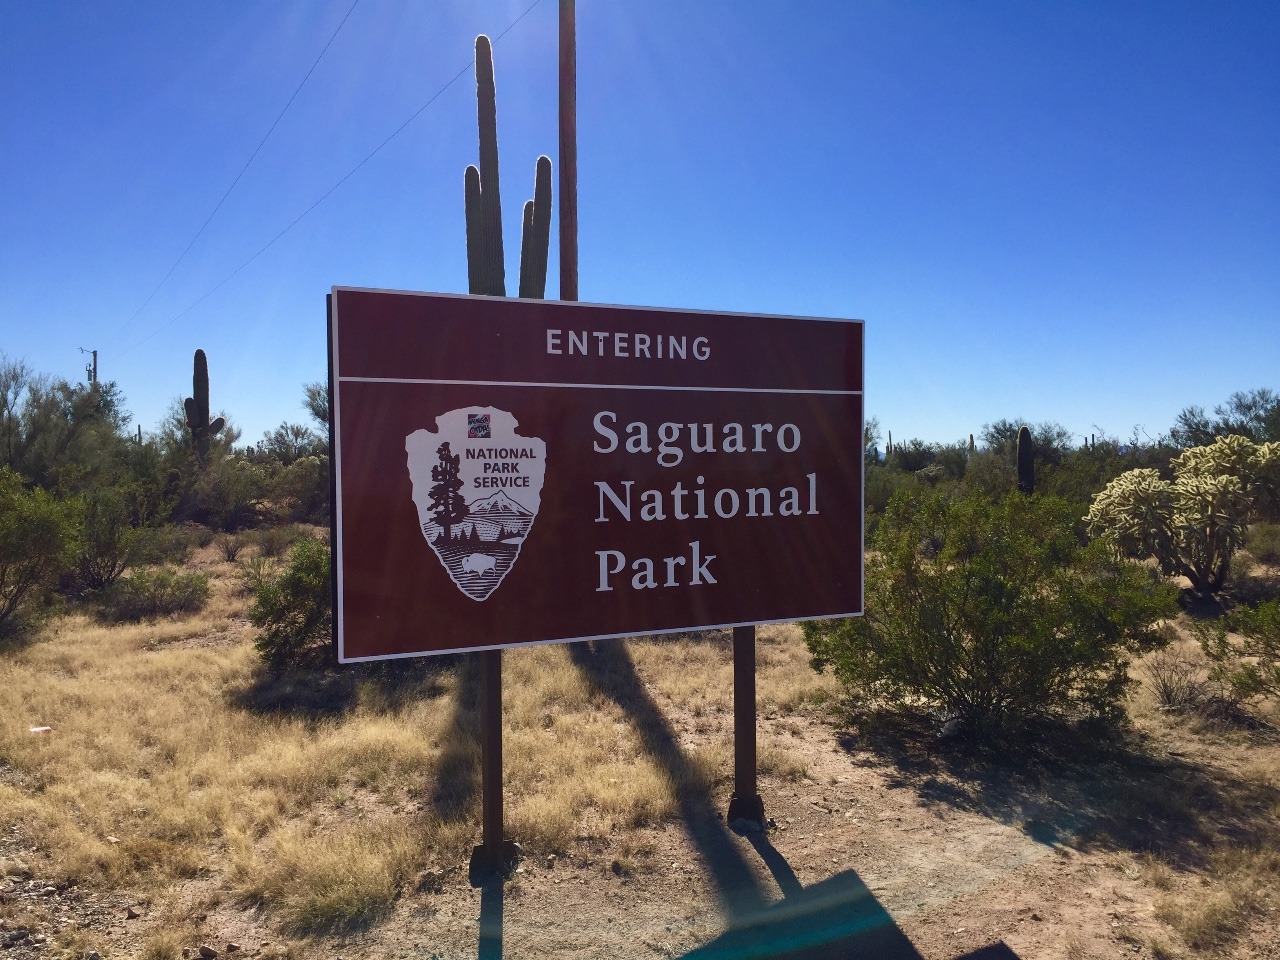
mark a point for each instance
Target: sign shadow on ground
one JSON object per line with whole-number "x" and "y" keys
{"x": 490, "y": 945}
{"x": 837, "y": 917}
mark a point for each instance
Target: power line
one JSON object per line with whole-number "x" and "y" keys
{"x": 218, "y": 206}
{"x": 325, "y": 196}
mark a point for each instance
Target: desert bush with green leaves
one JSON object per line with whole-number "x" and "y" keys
{"x": 300, "y": 489}
{"x": 229, "y": 546}
{"x": 994, "y": 614}
{"x": 109, "y": 543}
{"x": 148, "y": 594}
{"x": 37, "y": 544}
{"x": 254, "y": 572}
{"x": 225, "y": 494}
{"x": 294, "y": 609}
{"x": 170, "y": 543}
{"x": 1249, "y": 664}
{"x": 274, "y": 541}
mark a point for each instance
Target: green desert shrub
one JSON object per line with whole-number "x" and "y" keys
{"x": 274, "y": 542}
{"x": 1083, "y": 472}
{"x": 148, "y": 594}
{"x": 911, "y": 456}
{"x": 109, "y": 543}
{"x": 301, "y": 489}
{"x": 294, "y": 609}
{"x": 252, "y": 573}
{"x": 879, "y": 486}
{"x": 37, "y": 545}
{"x": 229, "y": 545}
{"x": 225, "y": 495}
{"x": 993, "y": 614}
{"x": 991, "y": 474}
{"x": 170, "y": 543}
{"x": 1248, "y": 667}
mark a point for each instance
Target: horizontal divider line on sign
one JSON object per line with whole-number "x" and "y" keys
{"x": 599, "y": 386}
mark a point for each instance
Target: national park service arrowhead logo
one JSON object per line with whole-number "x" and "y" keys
{"x": 477, "y": 485}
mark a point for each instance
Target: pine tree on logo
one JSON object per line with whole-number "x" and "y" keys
{"x": 446, "y": 503}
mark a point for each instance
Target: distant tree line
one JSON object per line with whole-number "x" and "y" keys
{"x": 1067, "y": 465}
{"x": 85, "y": 495}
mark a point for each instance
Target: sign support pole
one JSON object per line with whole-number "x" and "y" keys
{"x": 745, "y": 806}
{"x": 496, "y": 853}
{"x": 491, "y": 757}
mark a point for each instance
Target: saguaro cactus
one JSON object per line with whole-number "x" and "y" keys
{"x": 1026, "y": 462}
{"x": 486, "y": 270}
{"x": 535, "y": 238}
{"x": 197, "y": 408}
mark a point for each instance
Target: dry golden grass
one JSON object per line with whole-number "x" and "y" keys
{"x": 163, "y": 945}
{"x": 161, "y": 765}
{"x": 334, "y": 880}
{"x": 1238, "y": 884}
{"x": 172, "y": 758}
{"x": 1237, "y": 878}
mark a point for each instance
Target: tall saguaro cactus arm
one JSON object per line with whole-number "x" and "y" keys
{"x": 197, "y": 408}
{"x": 536, "y": 238}
{"x": 484, "y": 207}
{"x": 475, "y": 232}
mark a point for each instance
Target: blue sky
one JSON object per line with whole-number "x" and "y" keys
{"x": 1065, "y": 211}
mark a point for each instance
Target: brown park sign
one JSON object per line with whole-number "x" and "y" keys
{"x": 510, "y": 472}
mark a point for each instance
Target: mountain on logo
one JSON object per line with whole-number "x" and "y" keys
{"x": 499, "y": 506}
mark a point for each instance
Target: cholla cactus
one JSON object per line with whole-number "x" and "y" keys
{"x": 1195, "y": 524}
{"x": 1254, "y": 463}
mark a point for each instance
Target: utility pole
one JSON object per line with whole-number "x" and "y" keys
{"x": 568, "y": 152}
{"x": 91, "y": 369}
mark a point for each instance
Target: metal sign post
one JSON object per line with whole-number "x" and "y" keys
{"x": 495, "y": 851}
{"x": 746, "y": 809}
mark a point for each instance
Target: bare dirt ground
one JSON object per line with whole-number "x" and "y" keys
{"x": 892, "y": 844}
